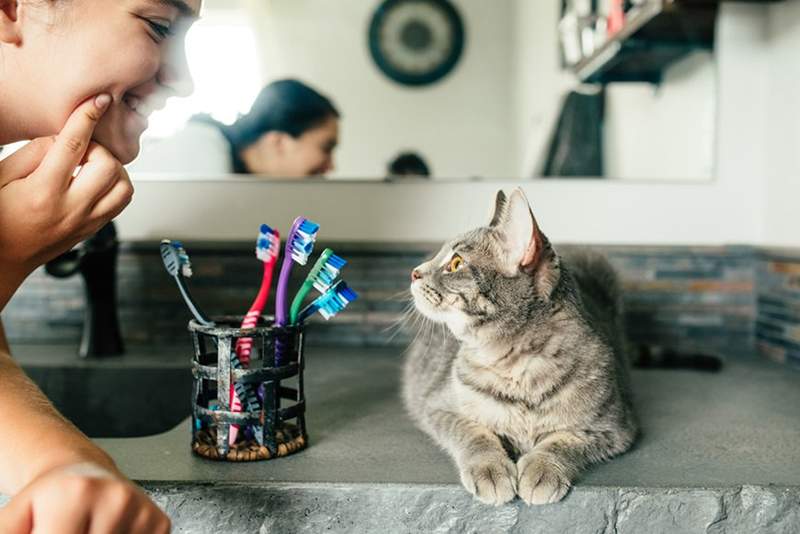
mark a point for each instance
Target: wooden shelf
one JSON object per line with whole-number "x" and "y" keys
{"x": 655, "y": 35}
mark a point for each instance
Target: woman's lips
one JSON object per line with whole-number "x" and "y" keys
{"x": 137, "y": 120}
{"x": 133, "y": 103}
{"x": 142, "y": 106}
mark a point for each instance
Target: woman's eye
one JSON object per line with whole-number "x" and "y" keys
{"x": 162, "y": 31}
{"x": 455, "y": 263}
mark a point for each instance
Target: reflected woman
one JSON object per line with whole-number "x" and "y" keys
{"x": 291, "y": 131}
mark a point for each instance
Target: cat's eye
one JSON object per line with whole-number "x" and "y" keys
{"x": 455, "y": 263}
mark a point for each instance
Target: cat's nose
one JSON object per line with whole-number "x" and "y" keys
{"x": 415, "y": 275}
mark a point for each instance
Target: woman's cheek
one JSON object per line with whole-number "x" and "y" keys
{"x": 141, "y": 61}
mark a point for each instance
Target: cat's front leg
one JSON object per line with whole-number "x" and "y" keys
{"x": 547, "y": 471}
{"x": 485, "y": 469}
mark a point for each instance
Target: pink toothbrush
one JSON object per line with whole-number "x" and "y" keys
{"x": 267, "y": 250}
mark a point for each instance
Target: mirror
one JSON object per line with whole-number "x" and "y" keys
{"x": 483, "y": 98}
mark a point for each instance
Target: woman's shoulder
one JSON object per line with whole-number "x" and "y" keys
{"x": 202, "y": 131}
{"x": 197, "y": 148}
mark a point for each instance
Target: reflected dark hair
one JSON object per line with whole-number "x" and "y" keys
{"x": 408, "y": 164}
{"x": 287, "y": 106}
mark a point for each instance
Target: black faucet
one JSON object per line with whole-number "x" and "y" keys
{"x": 96, "y": 260}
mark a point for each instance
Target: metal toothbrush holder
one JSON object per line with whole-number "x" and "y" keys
{"x": 272, "y": 420}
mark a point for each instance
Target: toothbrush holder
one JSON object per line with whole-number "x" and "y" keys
{"x": 273, "y": 427}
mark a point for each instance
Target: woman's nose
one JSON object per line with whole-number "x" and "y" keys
{"x": 175, "y": 72}
{"x": 415, "y": 275}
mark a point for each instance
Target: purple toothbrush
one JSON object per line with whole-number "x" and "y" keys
{"x": 299, "y": 245}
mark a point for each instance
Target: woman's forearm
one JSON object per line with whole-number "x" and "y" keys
{"x": 4, "y": 348}
{"x": 11, "y": 277}
{"x": 34, "y": 437}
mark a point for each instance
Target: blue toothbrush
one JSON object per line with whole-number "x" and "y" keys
{"x": 330, "y": 303}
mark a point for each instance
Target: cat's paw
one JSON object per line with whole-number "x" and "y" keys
{"x": 492, "y": 480}
{"x": 540, "y": 481}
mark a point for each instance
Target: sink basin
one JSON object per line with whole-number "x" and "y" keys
{"x": 144, "y": 392}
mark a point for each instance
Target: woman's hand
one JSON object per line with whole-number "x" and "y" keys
{"x": 45, "y": 207}
{"x": 81, "y": 499}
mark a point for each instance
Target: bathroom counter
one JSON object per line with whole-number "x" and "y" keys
{"x": 718, "y": 450}
{"x": 699, "y": 430}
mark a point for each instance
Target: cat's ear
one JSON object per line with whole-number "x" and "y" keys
{"x": 528, "y": 249}
{"x": 523, "y": 237}
{"x": 499, "y": 211}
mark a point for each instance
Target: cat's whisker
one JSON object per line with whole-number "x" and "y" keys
{"x": 404, "y": 318}
{"x": 399, "y": 325}
{"x": 423, "y": 328}
{"x": 401, "y": 295}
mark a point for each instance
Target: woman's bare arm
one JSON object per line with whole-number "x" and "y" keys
{"x": 34, "y": 437}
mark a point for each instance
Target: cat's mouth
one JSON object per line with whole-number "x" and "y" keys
{"x": 427, "y": 300}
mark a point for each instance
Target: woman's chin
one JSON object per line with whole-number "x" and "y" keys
{"x": 125, "y": 150}
{"x": 120, "y": 134}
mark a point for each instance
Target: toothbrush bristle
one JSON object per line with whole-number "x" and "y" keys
{"x": 268, "y": 243}
{"x": 303, "y": 241}
{"x": 336, "y": 300}
{"x": 337, "y": 262}
{"x": 183, "y": 257}
{"x": 329, "y": 272}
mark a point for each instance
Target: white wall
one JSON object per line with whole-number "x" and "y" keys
{"x": 461, "y": 124}
{"x": 539, "y": 81}
{"x": 665, "y": 131}
{"x": 782, "y": 117}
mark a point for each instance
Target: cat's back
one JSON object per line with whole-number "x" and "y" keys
{"x": 595, "y": 277}
{"x": 600, "y": 295}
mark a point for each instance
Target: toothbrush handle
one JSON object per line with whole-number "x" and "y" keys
{"x": 198, "y": 315}
{"x": 307, "y": 312}
{"x": 244, "y": 345}
{"x": 280, "y": 307}
{"x": 283, "y": 279}
{"x": 283, "y": 286}
{"x": 298, "y": 300}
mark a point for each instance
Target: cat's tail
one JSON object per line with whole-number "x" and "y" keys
{"x": 657, "y": 357}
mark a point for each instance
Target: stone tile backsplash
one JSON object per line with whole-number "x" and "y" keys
{"x": 777, "y": 327}
{"x": 729, "y": 300}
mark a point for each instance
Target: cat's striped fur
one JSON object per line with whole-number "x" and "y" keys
{"x": 530, "y": 384}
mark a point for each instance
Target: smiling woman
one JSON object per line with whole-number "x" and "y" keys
{"x": 78, "y": 79}
{"x": 139, "y": 43}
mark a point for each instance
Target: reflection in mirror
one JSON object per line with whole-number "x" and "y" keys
{"x": 383, "y": 90}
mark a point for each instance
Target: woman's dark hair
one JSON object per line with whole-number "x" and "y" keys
{"x": 408, "y": 164}
{"x": 287, "y": 106}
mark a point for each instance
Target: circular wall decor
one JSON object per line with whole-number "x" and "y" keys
{"x": 416, "y": 42}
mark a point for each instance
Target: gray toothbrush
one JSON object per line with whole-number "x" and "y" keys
{"x": 177, "y": 263}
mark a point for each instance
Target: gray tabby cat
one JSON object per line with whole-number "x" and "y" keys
{"x": 530, "y": 384}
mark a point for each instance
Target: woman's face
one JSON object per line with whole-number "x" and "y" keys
{"x": 311, "y": 154}
{"x": 74, "y": 49}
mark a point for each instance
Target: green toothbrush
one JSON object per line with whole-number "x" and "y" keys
{"x": 322, "y": 277}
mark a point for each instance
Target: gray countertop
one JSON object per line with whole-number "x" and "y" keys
{"x": 736, "y": 427}
{"x": 718, "y": 453}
